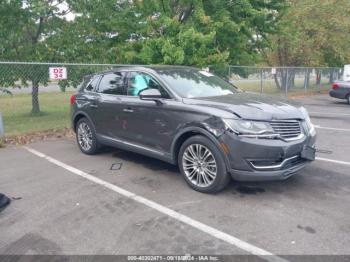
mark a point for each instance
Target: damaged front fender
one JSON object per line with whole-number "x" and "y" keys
{"x": 213, "y": 128}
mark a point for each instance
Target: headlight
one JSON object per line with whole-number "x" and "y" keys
{"x": 310, "y": 127}
{"x": 250, "y": 128}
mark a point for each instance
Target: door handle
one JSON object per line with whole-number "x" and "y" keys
{"x": 128, "y": 110}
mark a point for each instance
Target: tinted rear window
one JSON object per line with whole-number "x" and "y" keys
{"x": 92, "y": 84}
{"x": 112, "y": 83}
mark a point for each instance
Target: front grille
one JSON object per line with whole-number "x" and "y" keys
{"x": 287, "y": 129}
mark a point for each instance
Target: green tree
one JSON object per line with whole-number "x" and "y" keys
{"x": 26, "y": 29}
{"x": 184, "y": 32}
{"x": 188, "y": 32}
{"x": 310, "y": 33}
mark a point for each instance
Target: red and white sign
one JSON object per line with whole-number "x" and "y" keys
{"x": 58, "y": 73}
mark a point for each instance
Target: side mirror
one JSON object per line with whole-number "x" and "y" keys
{"x": 150, "y": 94}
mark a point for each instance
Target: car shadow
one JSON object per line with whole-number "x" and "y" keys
{"x": 242, "y": 188}
{"x": 145, "y": 161}
{"x": 257, "y": 188}
{"x": 312, "y": 177}
{"x": 342, "y": 103}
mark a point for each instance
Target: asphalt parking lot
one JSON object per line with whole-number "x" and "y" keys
{"x": 72, "y": 204}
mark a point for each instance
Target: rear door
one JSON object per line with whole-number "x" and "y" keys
{"x": 111, "y": 90}
{"x": 88, "y": 99}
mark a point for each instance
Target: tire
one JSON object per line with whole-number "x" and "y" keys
{"x": 199, "y": 172}
{"x": 348, "y": 98}
{"x": 86, "y": 137}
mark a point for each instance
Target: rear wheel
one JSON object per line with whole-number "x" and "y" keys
{"x": 348, "y": 98}
{"x": 86, "y": 137}
{"x": 202, "y": 165}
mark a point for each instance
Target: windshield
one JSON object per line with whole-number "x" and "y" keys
{"x": 190, "y": 83}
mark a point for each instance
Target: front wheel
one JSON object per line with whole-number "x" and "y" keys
{"x": 202, "y": 165}
{"x": 348, "y": 98}
{"x": 86, "y": 137}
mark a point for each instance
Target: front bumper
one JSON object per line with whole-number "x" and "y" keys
{"x": 252, "y": 159}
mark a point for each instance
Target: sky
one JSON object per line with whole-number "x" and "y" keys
{"x": 63, "y": 7}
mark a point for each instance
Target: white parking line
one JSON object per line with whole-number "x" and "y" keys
{"x": 332, "y": 128}
{"x": 266, "y": 255}
{"x": 333, "y": 161}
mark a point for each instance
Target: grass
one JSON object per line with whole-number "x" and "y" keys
{"x": 17, "y": 117}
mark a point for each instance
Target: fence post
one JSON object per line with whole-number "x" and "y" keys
{"x": 305, "y": 79}
{"x": 287, "y": 80}
{"x": 229, "y": 73}
{"x": 337, "y": 74}
{"x": 2, "y": 129}
{"x": 261, "y": 81}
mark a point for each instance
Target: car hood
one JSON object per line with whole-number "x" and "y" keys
{"x": 251, "y": 106}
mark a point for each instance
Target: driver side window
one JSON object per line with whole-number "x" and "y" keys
{"x": 138, "y": 82}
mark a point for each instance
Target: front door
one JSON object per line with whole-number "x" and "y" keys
{"x": 147, "y": 123}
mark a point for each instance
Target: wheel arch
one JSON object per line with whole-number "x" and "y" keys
{"x": 188, "y": 132}
{"x": 79, "y": 115}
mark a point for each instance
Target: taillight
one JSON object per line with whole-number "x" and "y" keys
{"x": 72, "y": 99}
{"x": 335, "y": 86}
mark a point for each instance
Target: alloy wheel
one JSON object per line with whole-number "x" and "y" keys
{"x": 84, "y": 136}
{"x": 199, "y": 165}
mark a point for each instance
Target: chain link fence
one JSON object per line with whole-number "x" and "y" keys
{"x": 31, "y": 101}
{"x": 280, "y": 80}
{"x": 15, "y": 77}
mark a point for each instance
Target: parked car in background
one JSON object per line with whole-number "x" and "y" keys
{"x": 341, "y": 90}
{"x": 194, "y": 119}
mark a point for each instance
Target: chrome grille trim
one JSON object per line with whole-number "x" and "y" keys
{"x": 287, "y": 129}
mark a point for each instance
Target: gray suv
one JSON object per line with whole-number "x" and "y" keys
{"x": 192, "y": 118}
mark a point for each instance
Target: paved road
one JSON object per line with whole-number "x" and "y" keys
{"x": 61, "y": 212}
